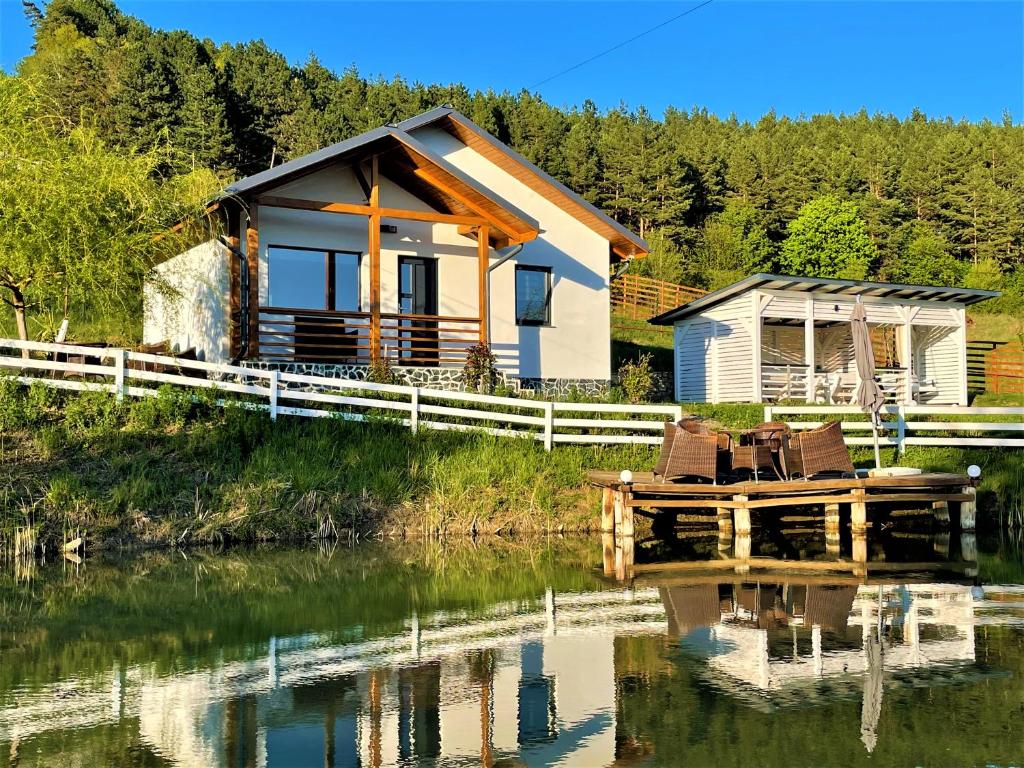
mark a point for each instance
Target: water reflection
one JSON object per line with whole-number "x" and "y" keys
{"x": 591, "y": 672}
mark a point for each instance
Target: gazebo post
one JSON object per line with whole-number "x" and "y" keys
{"x": 809, "y": 348}
{"x": 907, "y": 342}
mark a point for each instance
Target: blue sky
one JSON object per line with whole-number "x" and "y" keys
{"x": 961, "y": 59}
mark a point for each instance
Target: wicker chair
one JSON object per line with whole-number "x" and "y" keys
{"x": 790, "y": 462}
{"x": 686, "y": 455}
{"x": 823, "y": 451}
{"x": 724, "y": 455}
{"x": 757, "y": 448}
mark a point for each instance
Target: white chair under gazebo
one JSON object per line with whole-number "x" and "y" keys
{"x": 771, "y": 338}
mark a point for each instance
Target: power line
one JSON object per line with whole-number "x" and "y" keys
{"x": 622, "y": 44}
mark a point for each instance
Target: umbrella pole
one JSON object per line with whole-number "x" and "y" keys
{"x": 874, "y": 435}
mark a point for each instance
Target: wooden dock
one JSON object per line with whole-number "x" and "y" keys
{"x": 734, "y": 503}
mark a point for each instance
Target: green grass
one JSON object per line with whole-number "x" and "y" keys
{"x": 163, "y": 470}
{"x": 995, "y": 327}
{"x": 166, "y": 470}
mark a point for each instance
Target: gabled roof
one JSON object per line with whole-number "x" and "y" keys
{"x": 419, "y": 169}
{"x": 625, "y": 243}
{"x": 825, "y": 285}
{"x": 413, "y": 155}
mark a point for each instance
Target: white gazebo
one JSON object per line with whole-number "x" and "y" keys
{"x": 771, "y": 337}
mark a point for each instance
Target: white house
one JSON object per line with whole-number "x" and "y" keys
{"x": 412, "y": 242}
{"x": 773, "y": 337}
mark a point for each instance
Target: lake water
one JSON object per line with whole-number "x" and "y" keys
{"x": 517, "y": 653}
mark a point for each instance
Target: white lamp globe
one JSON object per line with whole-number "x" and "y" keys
{"x": 626, "y": 476}
{"x": 974, "y": 471}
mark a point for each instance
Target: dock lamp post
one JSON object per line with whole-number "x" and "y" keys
{"x": 974, "y": 472}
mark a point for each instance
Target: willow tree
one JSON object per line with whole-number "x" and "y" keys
{"x": 80, "y": 223}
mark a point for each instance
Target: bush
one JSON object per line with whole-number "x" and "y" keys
{"x": 13, "y": 408}
{"x": 381, "y": 372}
{"x": 637, "y": 379}
{"x": 480, "y": 372}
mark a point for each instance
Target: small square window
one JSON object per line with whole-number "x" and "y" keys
{"x": 533, "y": 295}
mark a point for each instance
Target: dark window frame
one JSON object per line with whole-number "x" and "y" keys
{"x": 548, "y": 286}
{"x": 330, "y": 272}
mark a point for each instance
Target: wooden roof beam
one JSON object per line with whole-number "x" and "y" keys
{"x": 354, "y": 209}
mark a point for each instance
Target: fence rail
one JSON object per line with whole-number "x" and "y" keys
{"x": 643, "y": 297}
{"x": 126, "y": 373}
{"x": 901, "y": 430}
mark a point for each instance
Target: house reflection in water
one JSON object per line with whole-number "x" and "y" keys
{"x": 522, "y": 685}
{"x": 534, "y": 703}
{"x": 783, "y": 644}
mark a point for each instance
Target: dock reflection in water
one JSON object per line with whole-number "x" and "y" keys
{"x": 688, "y": 661}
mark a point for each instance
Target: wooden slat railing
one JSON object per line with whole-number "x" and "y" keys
{"x": 640, "y": 298}
{"x": 290, "y": 334}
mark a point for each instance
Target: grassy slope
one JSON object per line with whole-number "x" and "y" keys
{"x": 161, "y": 471}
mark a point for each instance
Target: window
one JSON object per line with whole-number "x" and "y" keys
{"x": 310, "y": 278}
{"x": 533, "y": 295}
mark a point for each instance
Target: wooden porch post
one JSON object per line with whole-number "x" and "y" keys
{"x": 252, "y": 257}
{"x": 483, "y": 254}
{"x": 373, "y": 244}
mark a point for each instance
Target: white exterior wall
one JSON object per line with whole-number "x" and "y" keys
{"x": 714, "y": 354}
{"x": 577, "y": 345}
{"x": 937, "y": 363}
{"x": 194, "y": 307}
{"x": 715, "y": 358}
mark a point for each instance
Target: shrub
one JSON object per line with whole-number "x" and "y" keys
{"x": 480, "y": 372}
{"x": 381, "y": 372}
{"x": 13, "y": 408}
{"x": 636, "y": 378}
{"x": 93, "y": 410}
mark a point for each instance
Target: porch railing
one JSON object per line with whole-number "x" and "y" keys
{"x": 789, "y": 382}
{"x": 291, "y": 334}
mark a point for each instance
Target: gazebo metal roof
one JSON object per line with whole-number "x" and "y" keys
{"x": 829, "y": 286}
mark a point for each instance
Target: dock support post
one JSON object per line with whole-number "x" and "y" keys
{"x": 608, "y": 510}
{"x": 940, "y": 544}
{"x": 969, "y": 547}
{"x": 859, "y": 512}
{"x": 860, "y": 555}
{"x": 742, "y": 552}
{"x": 832, "y": 529}
{"x": 831, "y": 519}
{"x": 724, "y": 522}
{"x": 969, "y": 509}
{"x": 623, "y": 514}
{"x": 741, "y": 516}
{"x": 624, "y": 558}
{"x": 608, "y": 553}
{"x": 941, "y": 511}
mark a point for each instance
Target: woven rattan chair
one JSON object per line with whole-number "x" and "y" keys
{"x": 823, "y": 451}
{"x": 724, "y": 455}
{"x": 687, "y": 455}
{"x": 790, "y": 462}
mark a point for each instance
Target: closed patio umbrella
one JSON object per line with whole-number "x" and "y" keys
{"x": 868, "y": 395}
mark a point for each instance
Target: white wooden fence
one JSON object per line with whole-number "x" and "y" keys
{"x": 905, "y": 425}
{"x": 125, "y": 373}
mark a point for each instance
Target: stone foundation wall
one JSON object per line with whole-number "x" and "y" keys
{"x": 439, "y": 378}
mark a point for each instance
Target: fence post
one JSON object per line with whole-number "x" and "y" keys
{"x": 549, "y": 425}
{"x": 678, "y": 413}
{"x": 901, "y": 429}
{"x": 275, "y": 377}
{"x": 119, "y": 366}
{"x": 767, "y": 413}
{"x": 414, "y": 413}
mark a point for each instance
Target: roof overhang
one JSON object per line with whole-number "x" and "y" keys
{"x": 623, "y": 243}
{"x": 411, "y": 165}
{"x": 826, "y": 286}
